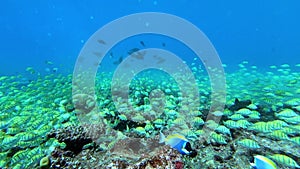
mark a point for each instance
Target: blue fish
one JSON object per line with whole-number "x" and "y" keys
{"x": 262, "y": 162}
{"x": 178, "y": 142}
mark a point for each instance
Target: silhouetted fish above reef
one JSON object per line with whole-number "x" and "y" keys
{"x": 118, "y": 61}
{"x": 131, "y": 51}
{"x": 142, "y": 43}
{"x": 239, "y": 104}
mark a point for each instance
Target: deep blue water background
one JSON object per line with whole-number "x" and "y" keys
{"x": 32, "y": 32}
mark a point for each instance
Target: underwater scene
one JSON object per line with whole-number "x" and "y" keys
{"x": 149, "y": 84}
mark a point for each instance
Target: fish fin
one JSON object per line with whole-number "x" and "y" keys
{"x": 236, "y": 101}
{"x": 162, "y": 137}
{"x": 252, "y": 165}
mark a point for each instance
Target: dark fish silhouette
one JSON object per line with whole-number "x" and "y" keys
{"x": 101, "y": 41}
{"x": 48, "y": 62}
{"x": 55, "y": 69}
{"x": 239, "y": 104}
{"x": 131, "y": 51}
{"x": 118, "y": 61}
{"x": 139, "y": 55}
{"x": 163, "y": 44}
{"x": 97, "y": 64}
{"x": 160, "y": 60}
{"x": 98, "y": 54}
{"x": 142, "y": 43}
{"x": 111, "y": 55}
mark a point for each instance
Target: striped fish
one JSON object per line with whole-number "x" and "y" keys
{"x": 231, "y": 124}
{"x": 198, "y": 121}
{"x": 3, "y": 163}
{"x": 254, "y": 116}
{"x": 35, "y": 159}
{"x": 284, "y": 160}
{"x": 199, "y": 132}
{"x": 227, "y": 112}
{"x": 244, "y": 111}
{"x": 297, "y": 108}
{"x": 218, "y": 138}
{"x": 286, "y": 113}
{"x": 289, "y": 131}
{"x": 177, "y": 121}
{"x": 19, "y": 156}
{"x": 9, "y": 140}
{"x": 243, "y": 123}
{"x": 13, "y": 130}
{"x": 248, "y": 143}
{"x": 296, "y": 140}
{"x": 224, "y": 130}
{"x": 279, "y": 135}
{"x": 149, "y": 127}
{"x": 36, "y": 142}
{"x": 296, "y": 127}
{"x": 111, "y": 144}
{"x": 236, "y": 117}
{"x": 293, "y": 102}
{"x": 4, "y": 124}
{"x": 254, "y": 112}
{"x": 277, "y": 124}
{"x": 189, "y": 134}
{"x": 3, "y": 155}
{"x": 5, "y": 116}
{"x": 18, "y": 166}
{"x": 260, "y": 127}
{"x": 293, "y": 120}
{"x": 23, "y": 144}
{"x": 36, "y": 124}
{"x": 26, "y": 136}
{"x": 252, "y": 106}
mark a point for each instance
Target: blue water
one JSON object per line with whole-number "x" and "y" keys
{"x": 33, "y": 32}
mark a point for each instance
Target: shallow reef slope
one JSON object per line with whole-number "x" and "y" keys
{"x": 44, "y": 124}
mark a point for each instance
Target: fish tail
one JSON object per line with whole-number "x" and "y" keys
{"x": 162, "y": 137}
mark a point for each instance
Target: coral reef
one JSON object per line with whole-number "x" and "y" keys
{"x": 74, "y": 137}
{"x": 43, "y": 125}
